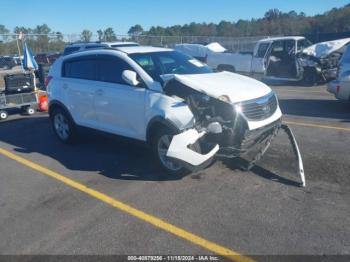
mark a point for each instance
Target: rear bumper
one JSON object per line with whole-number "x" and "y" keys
{"x": 332, "y": 87}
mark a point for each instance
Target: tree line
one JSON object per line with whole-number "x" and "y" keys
{"x": 274, "y": 22}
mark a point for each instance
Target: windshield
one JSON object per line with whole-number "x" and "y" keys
{"x": 303, "y": 43}
{"x": 169, "y": 62}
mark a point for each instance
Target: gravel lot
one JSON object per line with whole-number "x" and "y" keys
{"x": 262, "y": 212}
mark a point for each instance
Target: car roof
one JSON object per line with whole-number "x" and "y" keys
{"x": 85, "y": 44}
{"x": 270, "y": 39}
{"x": 119, "y": 43}
{"x": 120, "y": 50}
{"x": 142, "y": 49}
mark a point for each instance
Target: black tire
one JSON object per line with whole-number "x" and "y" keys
{"x": 155, "y": 141}
{"x": 3, "y": 115}
{"x": 63, "y": 126}
{"x": 30, "y": 111}
{"x": 185, "y": 168}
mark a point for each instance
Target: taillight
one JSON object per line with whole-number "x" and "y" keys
{"x": 338, "y": 88}
{"x": 47, "y": 80}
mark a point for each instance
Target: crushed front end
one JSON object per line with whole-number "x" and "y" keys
{"x": 225, "y": 129}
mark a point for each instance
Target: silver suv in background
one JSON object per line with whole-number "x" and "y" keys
{"x": 71, "y": 48}
{"x": 341, "y": 86}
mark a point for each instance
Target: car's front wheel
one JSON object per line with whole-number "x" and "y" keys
{"x": 63, "y": 126}
{"x": 160, "y": 145}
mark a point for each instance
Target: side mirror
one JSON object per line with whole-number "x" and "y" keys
{"x": 130, "y": 77}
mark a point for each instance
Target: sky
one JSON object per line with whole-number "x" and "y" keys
{"x": 73, "y": 16}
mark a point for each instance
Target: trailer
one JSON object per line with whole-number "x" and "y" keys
{"x": 27, "y": 102}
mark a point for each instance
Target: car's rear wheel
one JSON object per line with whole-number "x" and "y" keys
{"x": 63, "y": 126}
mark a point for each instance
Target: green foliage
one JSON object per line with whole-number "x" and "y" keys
{"x": 274, "y": 22}
{"x": 43, "y": 40}
{"x": 135, "y": 30}
{"x": 86, "y": 35}
{"x": 107, "y": 35}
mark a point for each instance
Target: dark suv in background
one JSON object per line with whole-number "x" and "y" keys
{"x": 7, "y": 62}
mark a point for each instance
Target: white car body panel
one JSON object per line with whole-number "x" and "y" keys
{"x": 80, "y": 100}
{"x": 323, "y": 49}
{"x": 113, "y": 102}
{"x": 240, "y": 62}
{"x": 237, "y": 87}
{"x": 169, "y": 108}
{"x": 179, "y": 148}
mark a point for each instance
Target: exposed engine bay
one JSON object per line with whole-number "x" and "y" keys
{"x": 323, "y": 58}
{"x": 221, "y": 128}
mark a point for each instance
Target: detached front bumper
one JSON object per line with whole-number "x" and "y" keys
{"x": 230, "y": 143}
{"x": 180, "y": 148}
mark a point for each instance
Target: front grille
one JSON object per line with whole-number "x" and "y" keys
{"x": 260, "y": 108}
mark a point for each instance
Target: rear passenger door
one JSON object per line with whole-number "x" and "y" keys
{"x": 79, "y": 88}
{"x": 120, "y": 108}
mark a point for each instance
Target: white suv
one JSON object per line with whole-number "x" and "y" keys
{"x": 71, "y": 48}
{"x": 183, "y": 110}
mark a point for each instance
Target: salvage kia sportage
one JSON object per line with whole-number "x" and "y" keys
{"x": 187, "y": 113}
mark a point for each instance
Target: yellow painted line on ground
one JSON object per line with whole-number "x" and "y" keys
{"x": 157, "y": 222}
{"x": 317, "y": 126}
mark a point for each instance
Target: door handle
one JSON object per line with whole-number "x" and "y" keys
{"x": 99, "y": 92}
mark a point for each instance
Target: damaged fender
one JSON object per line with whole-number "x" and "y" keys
{"x": 179, "y": 148}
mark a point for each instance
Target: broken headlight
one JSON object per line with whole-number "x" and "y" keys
{"x": 224, "y": 98}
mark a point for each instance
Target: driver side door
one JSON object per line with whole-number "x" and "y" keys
{"x": 119, "y": 107}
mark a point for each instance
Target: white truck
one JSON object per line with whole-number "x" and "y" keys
{"x": 290, "y": 58}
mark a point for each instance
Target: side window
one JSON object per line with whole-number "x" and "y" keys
{"x": 277, "y": 46}
{"x": 168, "y": 63}
{"x": 302, "y": 44}
{"x": 110, "y": 69}
{"x": 80, "y": 68}
{"x": 147, "y": 63}
{"x": 290, "y": 46}
{"x": 262, "y": 50}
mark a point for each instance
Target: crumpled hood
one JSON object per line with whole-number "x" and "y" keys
{"x": 237, "y": 87}
{"x": 323, "y": 49}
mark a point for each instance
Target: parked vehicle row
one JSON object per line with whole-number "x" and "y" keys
{"x": 44, "y": 58}
{"x": 7, "y": 62}
{"x": 290, "y": 58}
